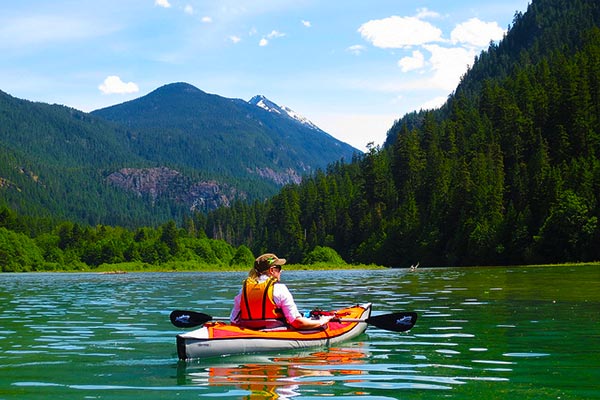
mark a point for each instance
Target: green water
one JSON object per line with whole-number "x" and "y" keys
{"x": 482, "y": 333}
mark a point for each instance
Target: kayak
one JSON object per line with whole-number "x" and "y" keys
{"x": 219, "y": 338}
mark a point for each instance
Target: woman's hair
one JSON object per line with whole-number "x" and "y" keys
{"x": 254, "y": 274}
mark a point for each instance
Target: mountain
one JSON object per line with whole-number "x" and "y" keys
{"x": 264, "y": 103}
{"x": 159, "y": 157}
{"x": 222, "y": 137}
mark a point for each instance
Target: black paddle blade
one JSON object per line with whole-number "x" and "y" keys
{"x": 188, "y": 319}
{"x": 397, "y": 322}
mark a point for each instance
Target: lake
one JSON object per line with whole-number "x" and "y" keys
{"x": 482, "y": 333}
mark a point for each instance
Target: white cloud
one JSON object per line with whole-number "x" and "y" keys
{"x": 399, "y": 32}
{"x": 426, "y": 13}
{"x": 444, "y": 66}
{"x": 476, "y": 32}
{"x": 114, "y": 85}
{"x": 162, "y": 3}
{"x": 357, "y": 49}
{"x": 356, "y": 129}
{"x": 306, "y": 23}
{"x": 188, "y": 9}
{"x": 275, "y": 34}
{"x": 449, "y": 64}
{"x": 235, "y": 39}
{"x": 207, "y": 20}
{"x": 417, "y": 61}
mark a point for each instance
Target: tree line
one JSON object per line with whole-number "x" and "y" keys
{"x": 35, "y": 244}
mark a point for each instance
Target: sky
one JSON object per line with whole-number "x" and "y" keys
{"x": 352, "y": 67}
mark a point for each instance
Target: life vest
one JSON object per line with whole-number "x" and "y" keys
{"x": 257, "y": 303}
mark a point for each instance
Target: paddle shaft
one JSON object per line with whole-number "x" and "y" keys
{"x": 397, "y": 322}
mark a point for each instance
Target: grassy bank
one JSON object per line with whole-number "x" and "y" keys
{"x": 196, "y": 267}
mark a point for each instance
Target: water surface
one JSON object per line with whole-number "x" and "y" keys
{"x": 487, "y": 333}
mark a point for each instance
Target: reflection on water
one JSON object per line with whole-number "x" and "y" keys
{"x": 280, "y": 377}
{"x": 493, "y": 333}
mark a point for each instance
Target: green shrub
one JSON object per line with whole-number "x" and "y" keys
{"x": 322, "y": 254}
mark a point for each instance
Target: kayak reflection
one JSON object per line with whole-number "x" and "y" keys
{"x": 281, "y": 377}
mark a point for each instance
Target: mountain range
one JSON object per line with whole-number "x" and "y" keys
{"x": 158, "y": 157}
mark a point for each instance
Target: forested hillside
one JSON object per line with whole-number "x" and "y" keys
{"x": 54, "y": 161}
{"x": 507, "y": 172}
{"x": 158, "y": 158}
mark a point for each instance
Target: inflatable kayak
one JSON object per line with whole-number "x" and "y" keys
{"x": 218, "y": 338}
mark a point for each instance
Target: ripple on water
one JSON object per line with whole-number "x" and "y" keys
{"x": 445, "y": 335}
{"x": 526, "y": 355}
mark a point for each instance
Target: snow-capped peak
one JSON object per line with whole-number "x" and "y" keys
{"x": 266, "y": 104}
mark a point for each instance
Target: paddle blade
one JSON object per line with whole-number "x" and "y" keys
{"x": 397, "y": 322}
{"x": 188, "y": 319}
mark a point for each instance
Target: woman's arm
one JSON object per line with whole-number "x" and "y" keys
{"x": 235, "y": 312}
{"x": 309, "y": 323}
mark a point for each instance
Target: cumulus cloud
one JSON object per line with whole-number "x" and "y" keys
{"x": 162, "y": 3}
{"x": 114, "y": 85}
{"x": 306, "y": 23}
{"x": 445, "y": 60}
{"x": 449, "y": 64}
{"x": 263, "y": 42}
{"x": 188, "y": 9}
{"x": 399, "y": 32}
{"x": 206, "y": 20}
{"x": 416, "y": 61}
{"x": 235, "y": 39}
{"x": 476, "y": 32}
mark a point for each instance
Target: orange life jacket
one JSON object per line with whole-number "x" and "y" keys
{"x": 257, "y": 301}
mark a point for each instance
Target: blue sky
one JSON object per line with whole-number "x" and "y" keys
{"x": 350, "y": 66}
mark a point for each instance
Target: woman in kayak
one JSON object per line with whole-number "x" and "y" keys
{"x": 264, "y": 303}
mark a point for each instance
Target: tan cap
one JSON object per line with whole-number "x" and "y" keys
{"x": 266, "y": 261}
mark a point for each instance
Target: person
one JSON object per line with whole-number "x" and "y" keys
{"x": 265, "y": 303}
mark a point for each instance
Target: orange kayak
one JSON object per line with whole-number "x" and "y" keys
{"x": 218, "y": 338}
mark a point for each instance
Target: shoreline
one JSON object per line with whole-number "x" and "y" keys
{"x": 173, "y": 267}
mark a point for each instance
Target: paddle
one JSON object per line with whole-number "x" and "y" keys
{"x": 188, "y": 319}
{"x": 396, "y": 322}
